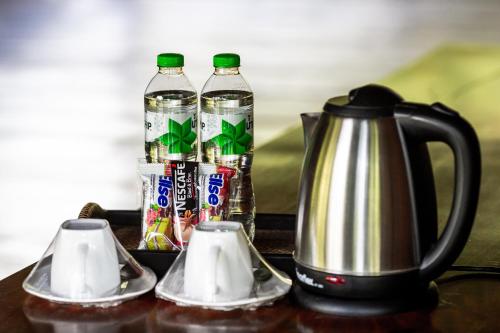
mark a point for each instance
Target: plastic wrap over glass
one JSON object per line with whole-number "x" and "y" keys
{"x": 85, "y": 264}
{"x": 222, "y": 270}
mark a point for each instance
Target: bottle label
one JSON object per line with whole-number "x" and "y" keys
{"x": 175, "y": 130}
{"x": 232, "y": 133}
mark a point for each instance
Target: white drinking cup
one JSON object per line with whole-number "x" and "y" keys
{"x": 218, "y": 265}
{"x": 84, "y": 262}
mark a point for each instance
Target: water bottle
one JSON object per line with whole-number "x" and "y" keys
{"x": 170, "y": 113}
{"x": 227, "y": 132}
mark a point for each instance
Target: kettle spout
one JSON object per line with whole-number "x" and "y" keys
{"x": 309, "y": 121}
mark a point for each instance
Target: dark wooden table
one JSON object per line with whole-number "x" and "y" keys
{"x": 469, "y": 302}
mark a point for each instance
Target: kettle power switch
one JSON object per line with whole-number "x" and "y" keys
{"x": 335, "y": 279}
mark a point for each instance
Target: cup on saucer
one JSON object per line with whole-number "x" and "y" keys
{"x": 218, "y": 264}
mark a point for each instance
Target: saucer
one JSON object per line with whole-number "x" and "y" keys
{"x": 129, "y": 288}
{"x": 171, "y": 288}
{"x": 254, "y": 301}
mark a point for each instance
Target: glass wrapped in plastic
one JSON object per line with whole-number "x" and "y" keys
{"x": 85, "y": 264}
{"x": 222, "y": 270}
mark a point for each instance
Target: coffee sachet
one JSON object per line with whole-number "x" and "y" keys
{"x": 185, "y": 199}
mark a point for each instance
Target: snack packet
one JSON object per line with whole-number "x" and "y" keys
{"x": 157, "y": 200}
{"x": 185, "y": 199}
{"x": 215, "y": 185}
{"x": 176, "y": 196}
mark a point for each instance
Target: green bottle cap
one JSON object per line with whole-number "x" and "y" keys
{"x": 170, "y": 60}
{"x": 226, "y": 60}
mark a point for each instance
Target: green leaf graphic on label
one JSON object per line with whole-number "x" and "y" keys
{"x": 233, "y": 140}
{"x": 179, "y": 137}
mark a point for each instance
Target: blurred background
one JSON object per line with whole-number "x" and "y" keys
{"x": 73, "y": 73}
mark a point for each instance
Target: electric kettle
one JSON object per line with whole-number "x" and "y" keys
{"x": 366, "y": 219}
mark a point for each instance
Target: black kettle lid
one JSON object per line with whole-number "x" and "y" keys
{"x": 370, "y": 101}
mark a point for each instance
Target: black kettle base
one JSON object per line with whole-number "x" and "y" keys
{"x": 366, "y": 307}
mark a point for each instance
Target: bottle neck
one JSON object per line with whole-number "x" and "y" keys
{"x": 227, "y": 71}
{"x": 170, "y": 70}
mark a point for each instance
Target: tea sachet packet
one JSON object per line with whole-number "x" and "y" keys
{"x": 157, "y": 206}
{"x": 215, "y": 189}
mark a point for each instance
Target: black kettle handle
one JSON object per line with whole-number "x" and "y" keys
{"x": 425, "y": 123}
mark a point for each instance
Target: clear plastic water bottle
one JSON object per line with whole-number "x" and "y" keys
{"x": 170, "y": 118}
{"x": 227, "y": 132}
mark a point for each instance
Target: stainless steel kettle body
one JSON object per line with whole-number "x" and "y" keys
{"x": 356, "y": 199}
{"x": 358, "y": 231}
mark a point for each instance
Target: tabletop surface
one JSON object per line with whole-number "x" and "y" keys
{"x": 469, "y": 302}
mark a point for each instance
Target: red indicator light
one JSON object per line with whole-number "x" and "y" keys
{"x": 335, "y": 279}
